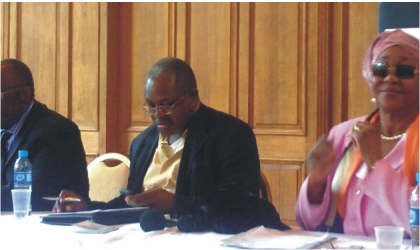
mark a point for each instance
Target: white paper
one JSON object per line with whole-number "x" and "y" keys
{"x": 261, "y": 237}
{"x": 89, "y": 227}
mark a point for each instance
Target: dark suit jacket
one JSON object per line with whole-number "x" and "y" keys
{"x": 219, "y": 150}
{"x": 57, "y": 155}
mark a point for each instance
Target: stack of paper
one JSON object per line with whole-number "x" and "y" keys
{"x": 89, "y": 227}
{"x": 266, "y": 238}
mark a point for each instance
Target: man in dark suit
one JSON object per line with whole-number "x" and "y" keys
{"x": 189, "y": 152}
{"x": 53, "y": 141}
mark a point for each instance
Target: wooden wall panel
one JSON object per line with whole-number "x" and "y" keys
{"x": 40, "y": 19}
{"x": 244, "y": 63}
{"x": 360, "y": 15}
{"x": 284, "y": 178}
{"x": 85, "y": 65}
{"x": 9, "y": 29}
{"x": 62, "y": 60}
{"x": 210, "y": 52}
{"x": 149, "y": 37}
{"x": 179, "y": 21}
{"x": 354, "y": 26}
{"x": 339, "y": 59}
{"x": 150, "y": 42}
{"x": 4, "y": 39}
{"x": 276, "y": 101}
{"x": 118, "y": 78}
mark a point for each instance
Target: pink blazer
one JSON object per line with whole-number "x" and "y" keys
{"x": 378, "y": 198}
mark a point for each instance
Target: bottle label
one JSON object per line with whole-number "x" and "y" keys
{"x": 414, "y": 216}
{"x": 24, "y": 178}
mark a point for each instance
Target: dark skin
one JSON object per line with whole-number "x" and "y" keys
{"x": 16, "y": 97}
{"x": 398, "y": 103}
{"x": 158, "y": 92}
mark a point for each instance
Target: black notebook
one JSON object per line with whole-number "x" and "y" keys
{"x": 104, "y": 217}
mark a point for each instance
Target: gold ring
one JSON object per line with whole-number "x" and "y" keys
{"x": 356, "y": 128}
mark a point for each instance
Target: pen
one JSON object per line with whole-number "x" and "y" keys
{"x": 318, "y": 243}
{"x": 68, "y": 199}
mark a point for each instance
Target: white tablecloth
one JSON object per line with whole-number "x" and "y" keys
{"x": 31, "y": 234}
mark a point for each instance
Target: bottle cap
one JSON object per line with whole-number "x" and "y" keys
{"x": 23, "y": 153}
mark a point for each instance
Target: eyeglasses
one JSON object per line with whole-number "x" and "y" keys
{"x": 11, "y": 90}
{"x": 166, "y": 109}
{"x": 400, "y": 71}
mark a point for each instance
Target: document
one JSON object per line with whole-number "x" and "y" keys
{"x": 101, "y": 216}
{"x": 266, "y": 238}
{"x": 88, "y": 227}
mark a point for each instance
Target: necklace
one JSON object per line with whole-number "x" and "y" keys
{"x": 392, "y": 138}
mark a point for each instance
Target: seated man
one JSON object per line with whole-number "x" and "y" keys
{"x": 190, "y": 151}
{"x": 53, "y": 141}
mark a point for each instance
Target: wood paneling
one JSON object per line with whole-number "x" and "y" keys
{"x": 29, "y": 47}
{"x": 62, "y": 60}
{"x": 277, "y": 104}
{"x": 279, "y": 92}
{"x": 290, "y": 70}
{"x": 284, "y": 178}
{"x": 354, "y": 26}
{"x": 150, "y": 42}
{"x": 84, "y": 65}
{"x": 359, "y": 97}
{"x": 209, "y": 48}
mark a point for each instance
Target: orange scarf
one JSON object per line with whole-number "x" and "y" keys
{"x": 410, "y": 165}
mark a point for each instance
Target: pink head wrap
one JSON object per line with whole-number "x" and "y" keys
{"x": 382, "y": 42}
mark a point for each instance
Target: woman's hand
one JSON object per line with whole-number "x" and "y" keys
{"x": 319, "y": 163}
{"x": 367, "y": 138}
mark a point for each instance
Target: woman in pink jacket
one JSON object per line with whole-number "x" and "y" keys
{"x": 362, "y": 174}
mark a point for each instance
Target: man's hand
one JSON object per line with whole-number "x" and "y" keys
{"x": 65, "y": 206}
{"x": 153, "y": 198}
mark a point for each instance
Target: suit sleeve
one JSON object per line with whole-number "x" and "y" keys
{"x": 60, "y": 160}
{"x": 238, "y": 161}
{"x": 229, "y": 158}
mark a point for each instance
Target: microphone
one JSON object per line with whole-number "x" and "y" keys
{"x": 193, "y": 223}
{"x": 153, "y": 219}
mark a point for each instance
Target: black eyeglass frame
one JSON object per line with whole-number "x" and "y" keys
{"x": 166, "y": 109}
{"x": 11, "y": 90}
{"x": 401, "y": 71}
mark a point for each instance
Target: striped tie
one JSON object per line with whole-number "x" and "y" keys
{"x": 5, "y": 136}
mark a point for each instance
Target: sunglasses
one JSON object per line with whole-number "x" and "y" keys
{"x": 400, "y": 71}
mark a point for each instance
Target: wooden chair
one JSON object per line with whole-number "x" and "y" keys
{"x": 107, "y": 175}
{"x": 265, "y": 192}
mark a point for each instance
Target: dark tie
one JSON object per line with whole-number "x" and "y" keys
{"x": 5, "y": 136}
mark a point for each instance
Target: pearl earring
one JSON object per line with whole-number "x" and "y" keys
{"x": 373, "y": 100}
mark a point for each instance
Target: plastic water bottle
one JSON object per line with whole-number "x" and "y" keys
{"x": 23, "y": 171}
{"x": 414, "y": 215}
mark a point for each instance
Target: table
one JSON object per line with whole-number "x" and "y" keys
{"x": 31, "y": 234}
